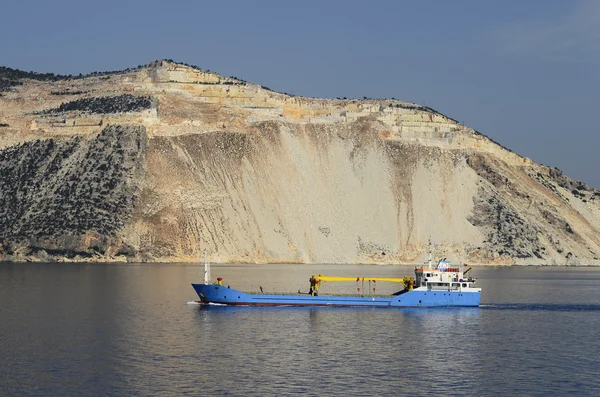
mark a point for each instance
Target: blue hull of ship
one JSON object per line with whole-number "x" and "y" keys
{"x": 218, "y": 294}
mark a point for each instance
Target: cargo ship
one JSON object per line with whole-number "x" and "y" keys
{"x": 439, "y": 286}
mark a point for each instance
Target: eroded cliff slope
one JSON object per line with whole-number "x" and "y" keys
{"x": 161, "y": 161}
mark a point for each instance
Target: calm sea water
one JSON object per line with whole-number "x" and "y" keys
{"x": 128, "y": 330}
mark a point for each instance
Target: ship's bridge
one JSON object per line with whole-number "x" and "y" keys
{"x": 443, "y": 278}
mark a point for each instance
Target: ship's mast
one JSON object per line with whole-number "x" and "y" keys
{"x": 206, "y": 269}
{"x": 430, "y": 255}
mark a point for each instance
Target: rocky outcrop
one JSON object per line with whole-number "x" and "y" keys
{"x": 193, "y": 160}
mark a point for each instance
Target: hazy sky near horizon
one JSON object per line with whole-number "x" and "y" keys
{"x": 525, "y": 73}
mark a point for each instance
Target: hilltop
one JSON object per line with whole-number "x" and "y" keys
{"x": 157, "y": 162}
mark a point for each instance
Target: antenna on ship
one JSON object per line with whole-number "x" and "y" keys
{"x": 206, "y": 269}
{"x": 430, "y": 255}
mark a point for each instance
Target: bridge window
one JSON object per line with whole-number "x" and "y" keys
{"x": 464, "y": 284}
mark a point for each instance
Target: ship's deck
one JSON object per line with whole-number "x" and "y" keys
{"x": 320, "y": 294}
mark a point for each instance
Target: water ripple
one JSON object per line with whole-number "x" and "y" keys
{"x": 552, "y": 307}
{"x": 70, "y": 330}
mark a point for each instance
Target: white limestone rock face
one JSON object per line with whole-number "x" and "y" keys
{"x": 157, "y": 163}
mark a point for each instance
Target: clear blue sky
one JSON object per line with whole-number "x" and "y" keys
{"x": 525, "y": 73}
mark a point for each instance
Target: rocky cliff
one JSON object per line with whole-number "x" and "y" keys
{"x": 159, "y": 162}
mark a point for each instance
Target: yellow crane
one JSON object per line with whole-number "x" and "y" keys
{"x": 316, "y": 280}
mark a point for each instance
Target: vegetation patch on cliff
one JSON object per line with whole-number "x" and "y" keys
{"x": 73, "y": 195}
{"x": 68, "y": 92}
{"x": 104, "y": 105}
{"x": 6, "y": 84}
{"x": 507, "y": 233}
{"x": 487, "y": 171}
